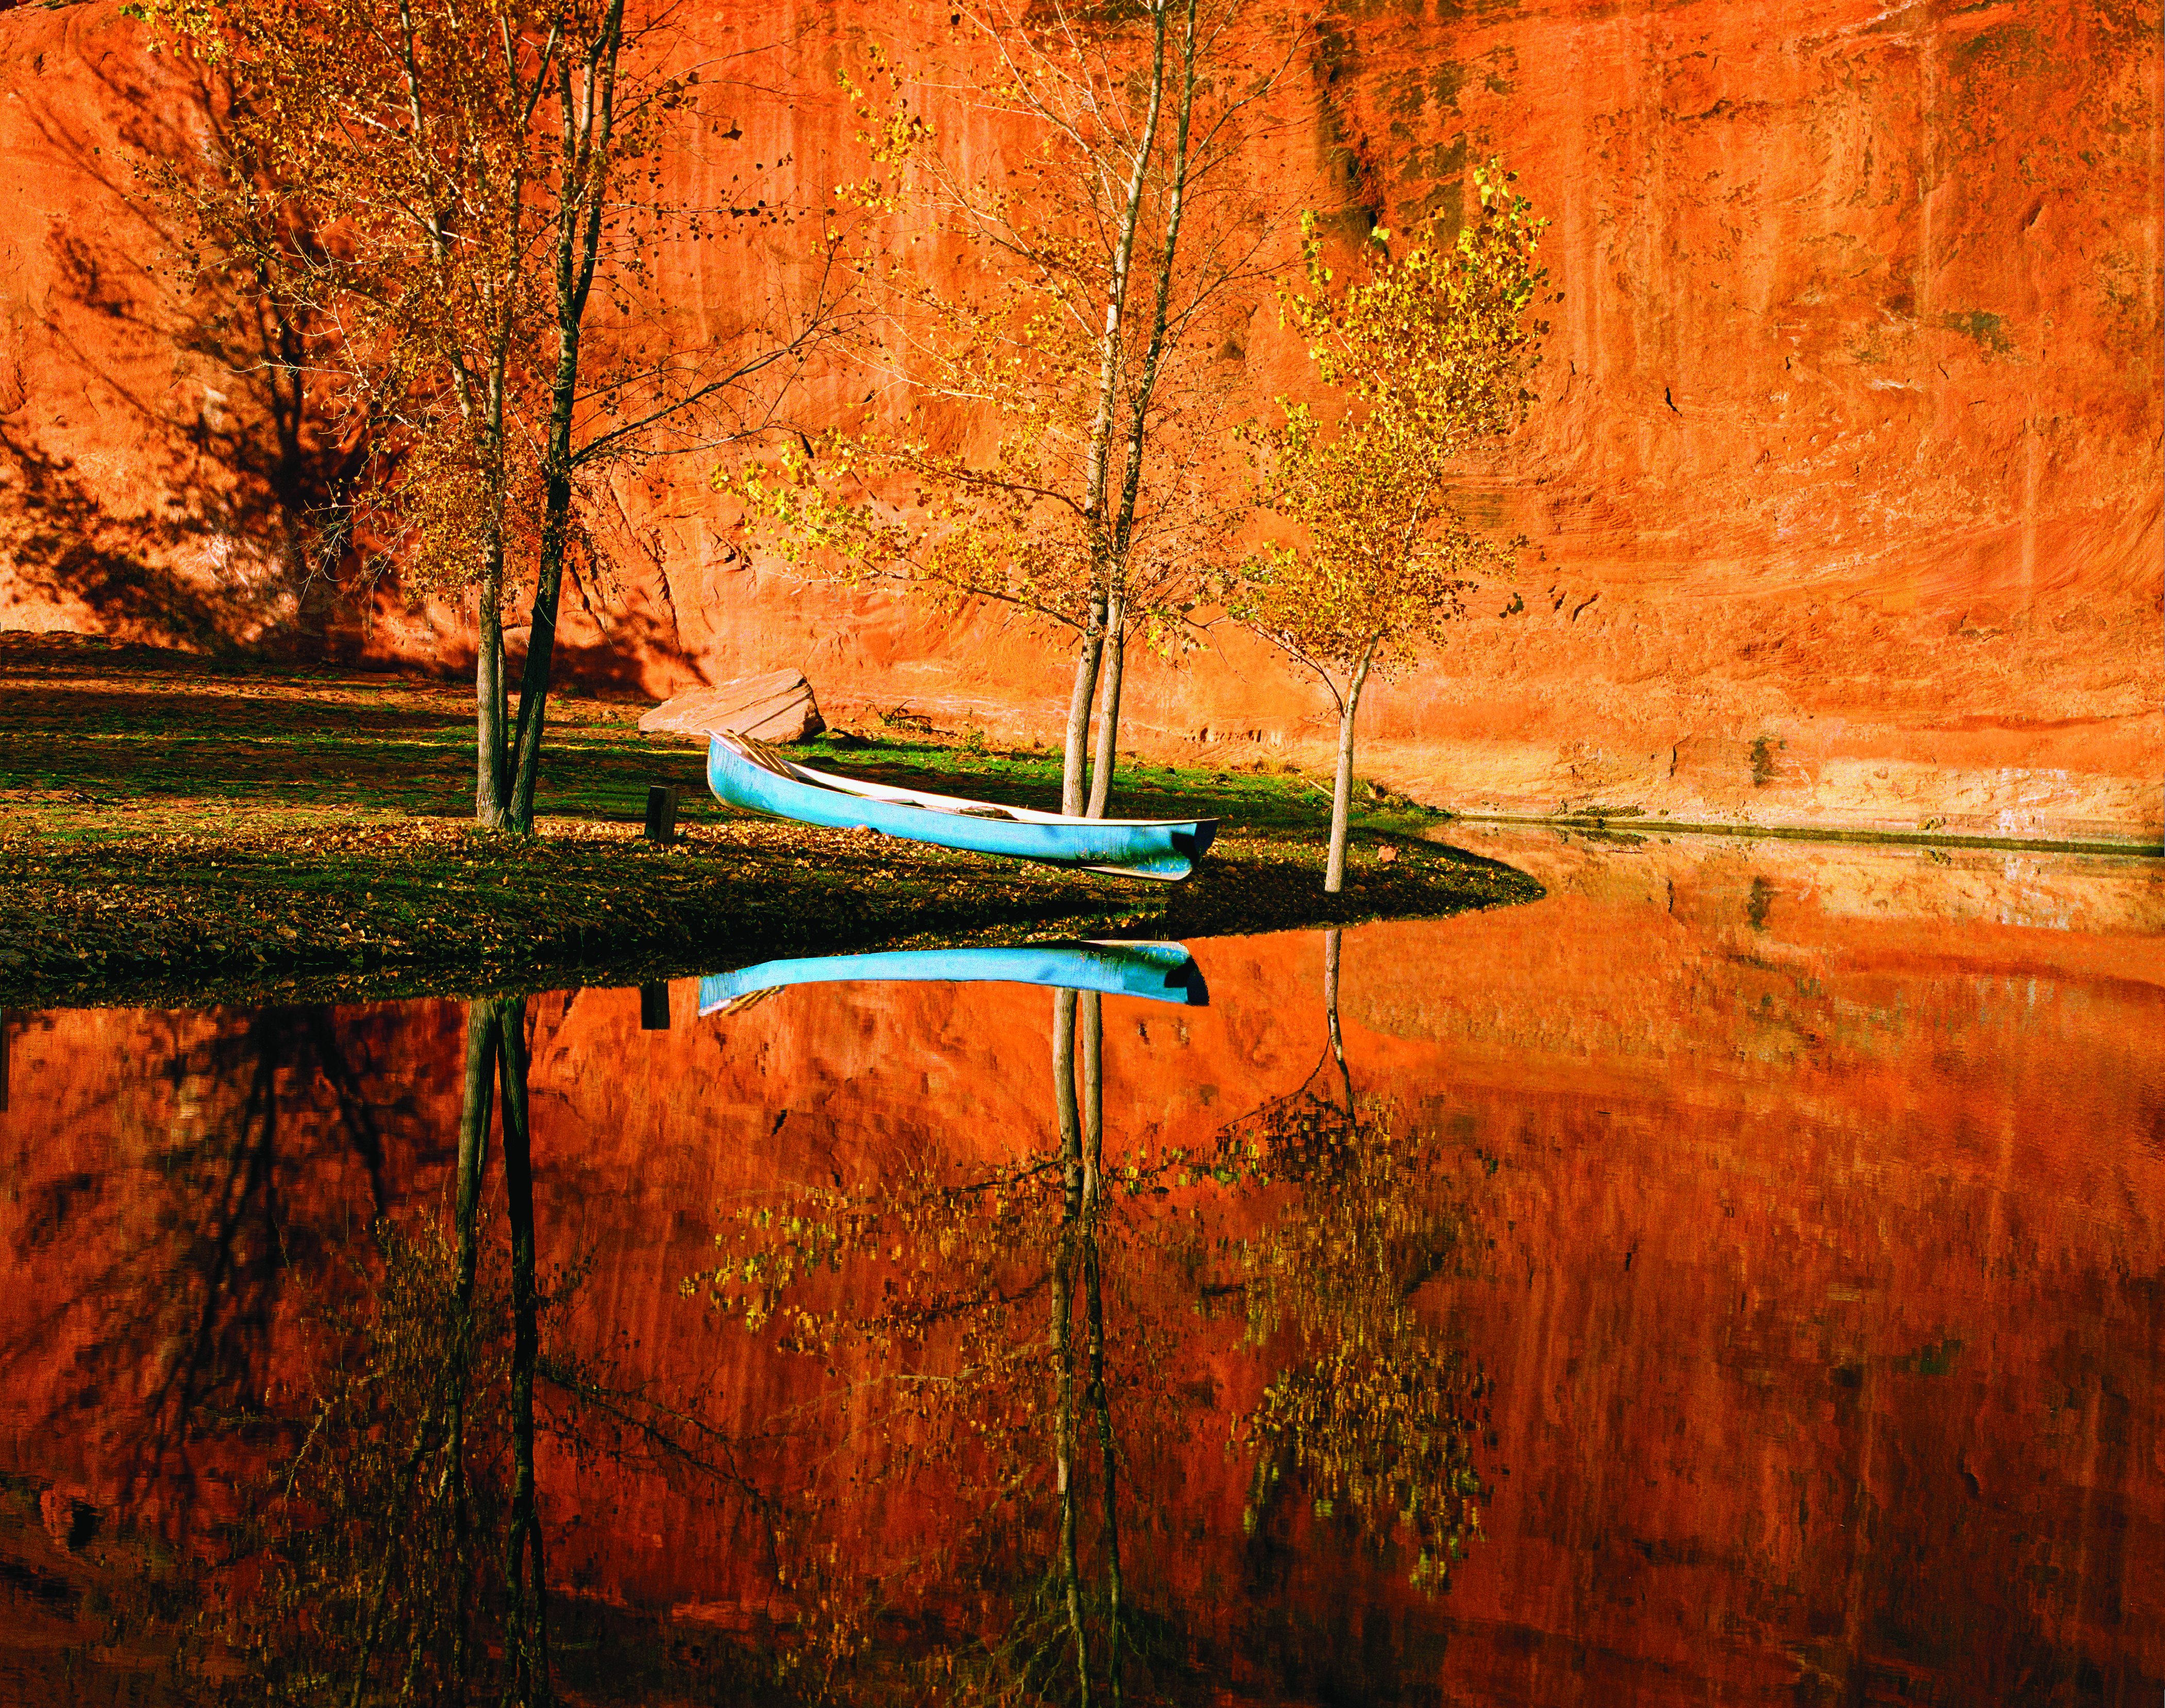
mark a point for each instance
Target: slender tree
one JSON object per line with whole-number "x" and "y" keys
{"x": 458, "y": 203}
{"x": 1046, "y": 384}
{"x": 1434, "y": 349}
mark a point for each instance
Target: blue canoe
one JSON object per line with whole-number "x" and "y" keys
{"x": 750, "y": 774}
{"x": 1161, "y": 971}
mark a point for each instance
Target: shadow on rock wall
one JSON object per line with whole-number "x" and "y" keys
{"x": 174, "y": 465}
{"x": 191, "y": 520}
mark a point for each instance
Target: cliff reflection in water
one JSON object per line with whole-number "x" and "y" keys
{"x": 1736, "y": 1276}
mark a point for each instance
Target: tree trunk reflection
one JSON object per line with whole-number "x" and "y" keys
{"x": 400, "y": 1552}
{"x": 526, "y": 1617}
{"x": 482, "y": 1034}
{"x": 1079, "y": 1098}
{"x": 1074, "y": 1166}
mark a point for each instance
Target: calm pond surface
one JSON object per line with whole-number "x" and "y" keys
{"x": 1738, "y": 1277}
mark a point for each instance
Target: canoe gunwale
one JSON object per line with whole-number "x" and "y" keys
{"x": 751, "y": 775}
{"x": 958, "y": 805}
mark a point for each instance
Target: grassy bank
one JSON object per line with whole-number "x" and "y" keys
{"x": 175, "y": 832}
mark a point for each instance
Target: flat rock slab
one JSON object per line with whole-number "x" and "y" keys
{"x": 776, "y": 706}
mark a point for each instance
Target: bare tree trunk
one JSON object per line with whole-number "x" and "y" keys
{"x": 492, "y": 771}
{"x": 1341, "y": 801}
{"x": 1116, "y": 297}
{"x": 1341, "y": 793}
{"x": 1074, "y": 756}
{"x": 588, "y": 116}
{"x": 541, "y": 657}
{"x": 489, "y": 700}
{"x": 1122, "y": 533}
{"x": 1108, "y": 554}
{"x": 1109, "y": 713}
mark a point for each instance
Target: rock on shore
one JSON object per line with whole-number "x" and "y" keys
{"x": 777, "y": 706}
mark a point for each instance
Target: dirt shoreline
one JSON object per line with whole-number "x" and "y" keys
{"x": 393, "y": 911}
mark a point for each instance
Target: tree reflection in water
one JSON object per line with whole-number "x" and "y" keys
{"x": 1374, "y": 1410}
{"x": 188, "y": 1300}
{"x": 981, "y": 1319}
{"x": 397, "y": 1556}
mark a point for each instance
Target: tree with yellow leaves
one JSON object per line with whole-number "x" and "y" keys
{"x": 1434, "y": 348}
{"x": 1048, "y": 380}
{"x": 454, "y": 212}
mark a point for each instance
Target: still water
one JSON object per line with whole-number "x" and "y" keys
{"x": 1739, "y": 1277}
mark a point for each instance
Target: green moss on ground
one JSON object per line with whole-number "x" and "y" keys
{"x": 177, "y": 834}
{"x": 1261, "y": 800}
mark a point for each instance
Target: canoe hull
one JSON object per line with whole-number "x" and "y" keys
{"x": 1158, "y": 972}
{"x": 1165, "y": 851}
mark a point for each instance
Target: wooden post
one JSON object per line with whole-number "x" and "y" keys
{"x": 654, "y": 1008}
{"x": 661, "y": 813}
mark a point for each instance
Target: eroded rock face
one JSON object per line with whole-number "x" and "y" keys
{"x": 1842, "y": 500}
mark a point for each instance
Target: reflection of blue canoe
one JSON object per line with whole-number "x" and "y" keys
{"x": 1162, "y": 972}
{"x": 744, "y": 773}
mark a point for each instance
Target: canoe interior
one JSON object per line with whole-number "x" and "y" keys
{"x": 760, "y": 754}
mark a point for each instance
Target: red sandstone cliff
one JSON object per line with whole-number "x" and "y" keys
{"x": 1844, "y": 493}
